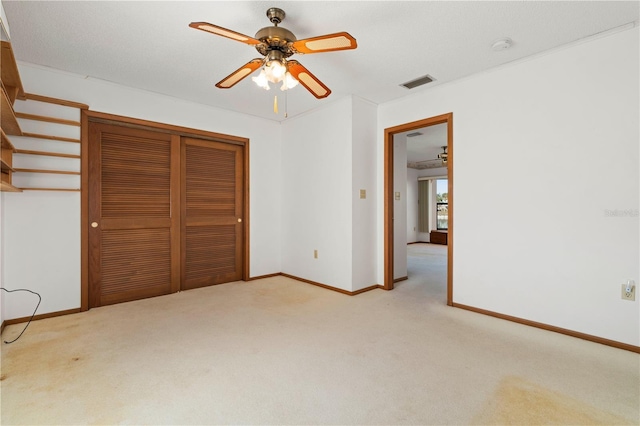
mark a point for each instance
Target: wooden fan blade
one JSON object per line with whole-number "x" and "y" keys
{"x": 325, "y": 43}
{"x": 242, "y": 72}
{"x": 308, "y": 80}
{"x": 214, "y": 29}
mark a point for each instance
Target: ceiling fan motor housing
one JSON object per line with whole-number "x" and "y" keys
{"x": 275, "y": 38}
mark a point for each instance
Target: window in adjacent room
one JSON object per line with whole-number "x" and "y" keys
{"x": 442, "y": 204}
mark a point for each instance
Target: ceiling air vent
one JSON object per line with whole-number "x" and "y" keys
{"x": 418, "y": 82}
{"x": 414, "y": 134}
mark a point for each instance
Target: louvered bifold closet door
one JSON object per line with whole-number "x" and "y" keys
{"x": 134, "y": 239}
{"x": 212, "y": 182}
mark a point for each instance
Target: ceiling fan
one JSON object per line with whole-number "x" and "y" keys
{"x": 444, "y": 156}
{"x": 276, "y": 44}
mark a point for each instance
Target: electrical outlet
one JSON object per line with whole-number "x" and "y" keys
{"x": 315, "y": 254}
{"x": 628, "y": 295}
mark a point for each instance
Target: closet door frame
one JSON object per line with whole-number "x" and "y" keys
{"x": 177, "y": 132}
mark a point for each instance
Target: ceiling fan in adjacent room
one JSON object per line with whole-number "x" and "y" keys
{"x": 444, "y": 156}
{"x": 276, "y": 44}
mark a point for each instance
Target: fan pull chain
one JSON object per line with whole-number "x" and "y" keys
{"x": 285, "y": 103}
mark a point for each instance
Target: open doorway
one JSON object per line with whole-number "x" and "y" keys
{"x": 396, "y": 208}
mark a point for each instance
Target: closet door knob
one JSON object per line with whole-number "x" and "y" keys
{"x": 94, "y": 224}
{"x": 239, "y": 219}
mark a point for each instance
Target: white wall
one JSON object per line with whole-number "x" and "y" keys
{"x": 42, "y": 251}
{"x": 364, "y": 177}
{"x": 564, "y": 129}
{"x": 317, "y": 195}
{"x": 413, "y": 207}
{"x": 51, "y": 220}
{"x": 400, "y": 206}
{"x": 328, "y": 156}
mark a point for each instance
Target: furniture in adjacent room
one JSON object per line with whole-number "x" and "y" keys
{"x": 438, "y": 237}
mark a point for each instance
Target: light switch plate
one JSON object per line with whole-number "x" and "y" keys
{"x": 363, "y": 194}
{"x": 397, "y": 195}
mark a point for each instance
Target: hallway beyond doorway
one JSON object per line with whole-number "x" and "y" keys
{"x": 427, "y": 271}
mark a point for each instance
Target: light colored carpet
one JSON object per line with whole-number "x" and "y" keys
{"x": 278, "y": 351}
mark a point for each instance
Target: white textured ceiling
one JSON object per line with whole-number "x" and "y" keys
{"x": 148, "y": 45}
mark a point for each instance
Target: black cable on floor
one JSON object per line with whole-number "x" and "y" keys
{"x": 34, "y": 311}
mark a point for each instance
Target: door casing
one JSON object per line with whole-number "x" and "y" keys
{"x": 388, "y": 196}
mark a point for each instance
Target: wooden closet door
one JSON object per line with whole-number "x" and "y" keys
{"x": 134, "y": 240}
{"x": 212, "y": 203}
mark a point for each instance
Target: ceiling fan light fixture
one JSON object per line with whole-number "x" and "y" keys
{"x": 261, "y": 80}
{"x": 275, "y": 70}
{"x": 288, "y": 82}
